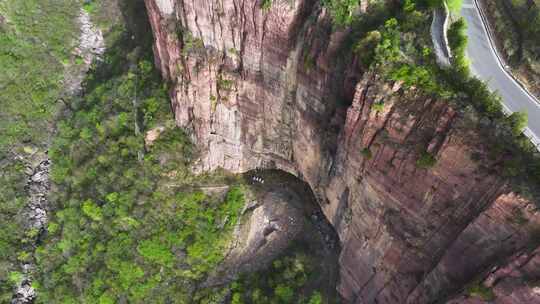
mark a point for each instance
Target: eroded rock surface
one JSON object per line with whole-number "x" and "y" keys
{"x": 280, "y": 212}
{"x": 91, "y": 45}
{"x": 270, "y": 88}
{"x": 35, "y": 219}
{"x": 516, "y": 282}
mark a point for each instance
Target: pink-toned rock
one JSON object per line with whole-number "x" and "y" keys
{"x": 270, "y": 88}
{"x": 516, "y": 282}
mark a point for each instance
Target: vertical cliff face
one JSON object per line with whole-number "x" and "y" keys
{"x": 416, "y": 235}
{"x": 255, "y": 86}
{"x": 270, "y": 88}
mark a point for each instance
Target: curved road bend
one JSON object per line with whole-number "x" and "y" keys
{"x": 486, "y": 66}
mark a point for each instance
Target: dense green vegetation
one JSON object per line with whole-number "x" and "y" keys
{"x": 457, "y": 40}
{"x": 32, "y": 60}
{"x": 342, "y": 11}
{"x": 12, "y": 233}
{"x": 32, "y": 57}
{"x": 517, "y": 25}
{"x": 122, "y": 230}
{"x": 292, "y": 278}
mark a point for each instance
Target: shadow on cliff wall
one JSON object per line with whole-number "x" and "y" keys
{"x": 297, "y": 220}
{"x": 128, "y": 41}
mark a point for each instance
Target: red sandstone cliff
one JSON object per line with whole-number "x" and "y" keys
{"x": 270, "y": 88}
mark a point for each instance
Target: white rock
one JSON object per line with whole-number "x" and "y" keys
{"x": 166, "y": 7}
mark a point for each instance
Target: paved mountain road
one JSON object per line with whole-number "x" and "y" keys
{"x": 486, "y": 65}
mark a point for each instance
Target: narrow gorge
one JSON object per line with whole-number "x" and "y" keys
{"x": 271, "y": 87}
{"x": 260, "y": 152}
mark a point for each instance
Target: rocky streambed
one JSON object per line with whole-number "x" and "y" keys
{"x": 35, "y": 214}
{"x": 91, "y": 46}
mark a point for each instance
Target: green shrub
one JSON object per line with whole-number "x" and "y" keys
{"x": 91, "y": 210}
{"x": 426, "y": 160}
{"x": 342, "y": 11}
{"x": 517, "y": 122}
{"x": 365, "y": 48}
{"x": 224, "y": 84}
{"x": 457, "y": 40}
{"x": 15, "y": 277}
{"x": 453, "y": 5}
{"x": 284, "y": 293}
{"x": 366, "y": 153}
{"x": 106, "y": 298}
{"x": 378, "y": 106}
{"x": 478, "y": 290}
{"x": 266, "y": 4}
{"x": 291, "y": 278}
{"x": 316, "y": 298}
{"x": 418, "y": 76}
{"x": 155, "y": 251}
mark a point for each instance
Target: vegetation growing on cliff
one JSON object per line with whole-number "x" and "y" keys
{"x": 266, "y": 4}
{"x": 453, "y": 5}
{"x": 478, "y": 290}
{"x": 342, "y": 11}
{"x": 426, "y": 160}
{"x": 345, "y": 12}
{"x": 400, "y": 53}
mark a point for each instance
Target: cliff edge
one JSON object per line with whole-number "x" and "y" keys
{"x": 271, "y": 88}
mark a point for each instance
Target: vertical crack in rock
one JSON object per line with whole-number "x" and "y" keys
{"x": 409, "y": 233}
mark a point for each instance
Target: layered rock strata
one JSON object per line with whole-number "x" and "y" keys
{"x": 272, "y": 88}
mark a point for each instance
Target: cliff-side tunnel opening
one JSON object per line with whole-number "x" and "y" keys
{"x": 278, "y": 181}
{"x": 317, "y": 238}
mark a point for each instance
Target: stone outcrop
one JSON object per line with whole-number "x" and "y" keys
{"x": 34, "y": 218}
{"x": 272, "y": 88}
{"x": 517, "y": 282}
{"x": 280, "y": 212}
{"x": 91, "y": 45}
